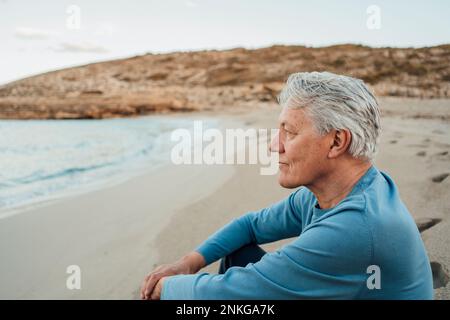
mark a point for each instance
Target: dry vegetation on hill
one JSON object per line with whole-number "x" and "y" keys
{"x": 204, "y": 80}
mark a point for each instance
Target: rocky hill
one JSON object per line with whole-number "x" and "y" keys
{"x": 205, "y": 80}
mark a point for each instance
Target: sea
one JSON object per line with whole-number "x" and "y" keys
{"x": 42, "y": 160}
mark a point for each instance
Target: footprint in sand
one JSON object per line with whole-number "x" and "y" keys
{"x": 421, "y": 153}
{"x": 440, "y": 177}
{"x": 393, "y": 141}
{"x": 426, "y": 223}
{"x": 443, "y": 153}
{"x": 440, "y": 275}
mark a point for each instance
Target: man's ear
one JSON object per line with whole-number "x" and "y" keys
{"x": 340, "y": 142}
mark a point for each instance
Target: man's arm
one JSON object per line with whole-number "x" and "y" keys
{"x": 327, "y": 261}
{"x": 280, "y": 221}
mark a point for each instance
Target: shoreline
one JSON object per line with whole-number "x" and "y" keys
{"x": 133, "y": 169}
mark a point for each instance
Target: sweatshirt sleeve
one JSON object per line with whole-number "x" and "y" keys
{"x": 280, "y": 221}
{"x": 327, "y": 261}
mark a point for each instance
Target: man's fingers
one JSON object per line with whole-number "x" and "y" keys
{"x": 156, "y": 293}
{"x": 152, "y": 279}
{"x": 143, "y": 286}
{"x": 151, "y": 282}
{"x": 154, "y": 296}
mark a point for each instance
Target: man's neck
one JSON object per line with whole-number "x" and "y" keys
{"x": 336, "y": 185}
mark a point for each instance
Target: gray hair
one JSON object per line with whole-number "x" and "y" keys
{"x": 336, "y": 102}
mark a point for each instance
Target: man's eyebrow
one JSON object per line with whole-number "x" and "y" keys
{"x": 288, "y": 126}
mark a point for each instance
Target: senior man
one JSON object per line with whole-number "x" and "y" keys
{"x": 355, "y": 239}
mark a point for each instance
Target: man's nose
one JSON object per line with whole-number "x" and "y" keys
{"x": 275, "y": 144}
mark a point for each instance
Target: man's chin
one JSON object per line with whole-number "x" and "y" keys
{"x": 285, "y": 183}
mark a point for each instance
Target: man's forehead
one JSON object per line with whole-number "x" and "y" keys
{"x": 293, "y": 117}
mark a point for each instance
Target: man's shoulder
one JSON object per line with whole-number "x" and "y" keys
{"x": 302, "y": 193}
{"x": 302, "y": 199}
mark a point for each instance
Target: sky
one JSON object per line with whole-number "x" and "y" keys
{"x": 45, "y": 35}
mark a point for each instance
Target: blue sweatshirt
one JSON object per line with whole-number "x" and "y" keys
{"x": 366, "y": 247}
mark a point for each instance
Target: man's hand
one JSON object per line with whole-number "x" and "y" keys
{"x": 156, "y": 293}
{"x": 189, "y": 264}
{"x": 152, "y": 281}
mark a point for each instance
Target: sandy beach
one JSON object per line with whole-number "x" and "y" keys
{"x": 118, "y": 234}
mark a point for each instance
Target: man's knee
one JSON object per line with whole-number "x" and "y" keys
{"x": 249, "y": 253}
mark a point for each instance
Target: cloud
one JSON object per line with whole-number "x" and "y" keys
{"x": 33, "y": 33}
{"x": 80, "y": 48}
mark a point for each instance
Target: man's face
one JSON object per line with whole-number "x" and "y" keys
{"x": 302, "y": 151}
